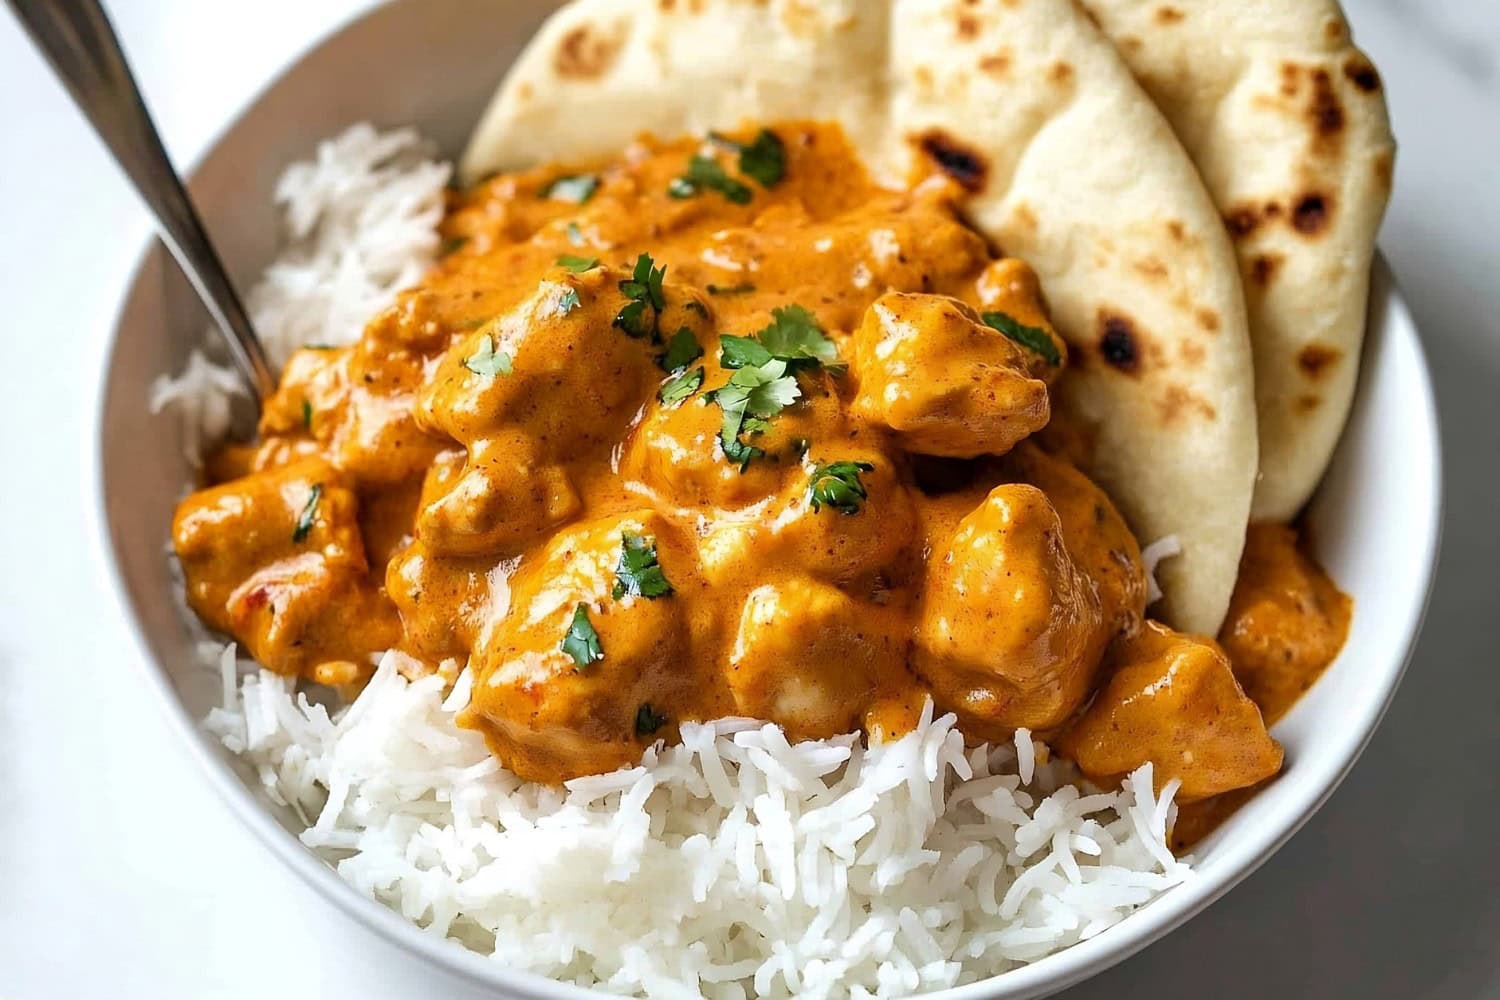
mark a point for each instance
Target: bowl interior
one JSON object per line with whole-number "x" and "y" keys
{"x": 433, "y": 64}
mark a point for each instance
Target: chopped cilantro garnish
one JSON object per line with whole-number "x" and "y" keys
{"x": 634, "y": 321}
{"x": 1030, "y": 337}
{"x": 306, "y": 415}
{"x": 707, "y": 172}
{"x": 680, "y": 386}
{"x": 575, "y": 235}
{"x": 741, "y": 352}
{"x": 568, "y": 302}
{"x": 648, "y": 720}
{"x": 581, "y": 641}
{"x": 453, "y": 245}
{"x": 487, "y": 361}
{"x": 309, "y": 514}
{"x": 643, "y": 290}
{"x": 682, "y": 351}
{"x": 752, "y": 396}
{"x": 837, "y": 485}
{"x": 577, "y": 188}
{"x": 639, "y": 572}
{"x": 764, "y": 159}
{"x": 645, "y": 282}
{"x": 739, "y": 289}
{"x": 794, "y": 336}
{"x": 577, "y": 264}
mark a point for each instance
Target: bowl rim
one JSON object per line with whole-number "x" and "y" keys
{"x": 1055, "y": 972}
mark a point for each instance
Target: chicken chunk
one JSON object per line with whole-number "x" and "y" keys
{"x": 1011, "y": 629}
{"x": 1094, "y": 532}
{"x": 862, "y": 544}
{"x": 276, "y": 560}
{"x": 1173, "y": 701}
{"x": 809, "y": 656}
{"x": 511, "y": 393}
{"x": 944, "y": 381}
{"x": 586, "y": 668}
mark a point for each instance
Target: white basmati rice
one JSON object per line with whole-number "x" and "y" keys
{"x": 732, "y": 864}
{"x": 360, "y": 223}
{"x": 1151, "y": 557}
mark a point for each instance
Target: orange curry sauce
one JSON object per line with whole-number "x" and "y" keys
{"x": 658, "y": 442}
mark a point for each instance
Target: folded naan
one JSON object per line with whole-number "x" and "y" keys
{"x": 1287, "y": 122}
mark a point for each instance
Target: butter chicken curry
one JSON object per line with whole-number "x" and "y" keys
{"x": 723, "y": 428}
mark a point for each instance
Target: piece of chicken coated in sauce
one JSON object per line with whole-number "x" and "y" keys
{"x": 1011, "y": 628}
{"x": 544, "y": 712}
{"x": 276, "y": 559}
{"x": 944, "y": 382}
{"x": 809, "y": 656}
{"x": 1173, "y": 700}
{"x": 862, "y": 549}
{"x": 1094, "y": 531}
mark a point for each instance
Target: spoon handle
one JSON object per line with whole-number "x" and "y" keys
{"x": 76, "y": 38}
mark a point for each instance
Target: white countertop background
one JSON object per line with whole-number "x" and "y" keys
{"x": 123, "y": 875}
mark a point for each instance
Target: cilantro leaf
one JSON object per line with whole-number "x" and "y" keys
{"x": 682, "y": 351}
{"x": 741, "y": 352}
{"x": 309, "y": 515}
{"x": 794, "y": 336}
{"x": 707, "y": 172}
{"x": 634, "y": 321}
{"x": 577, "y": 264}
{"x": 452, "y": 246}
{"x": 763, "y": 158}
{"x": 568, "y": 302}
{"x": 738, "y": 452}
{"x": 837, "y": 485}
{"x": 639, "y": 571}
{"x": 751, "y": 397}
{"x": 307, "y": 415}
{"x": 680, "y": 386}
{"x": 648, "y": 720}
{"x": 581, "y": 641}
{"x": 488, "y": 361}
{"x": 643, "y": 289}
{"x": 1030, "y": 337}
{"x": 577, "y": 188}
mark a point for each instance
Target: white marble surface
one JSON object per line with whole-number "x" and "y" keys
{"x": 121, "y": 874}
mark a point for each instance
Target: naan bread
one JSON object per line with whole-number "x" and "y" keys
{"x": 1287, "y": 123}
{"x": 1068, "y": 164}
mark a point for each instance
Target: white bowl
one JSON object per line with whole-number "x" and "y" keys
{"x": 433, "y": 63}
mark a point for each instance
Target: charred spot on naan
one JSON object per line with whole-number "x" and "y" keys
{"x": 1315, "y": 360}
{"x": 1120, "y": 345}
{"x": 1178, "y": 403}
{"x": 1263, "y": 268}
{"x": 997, "y": 63}
{"x": 1167, "y": 14}
{"x": 588, "y": 51}
{"x": 962, "y": 163}
{"x": 1311, "y": 213}
{"x": 1362, "y": 73}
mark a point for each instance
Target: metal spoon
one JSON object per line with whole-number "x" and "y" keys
{"x": 76, "y": 38}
